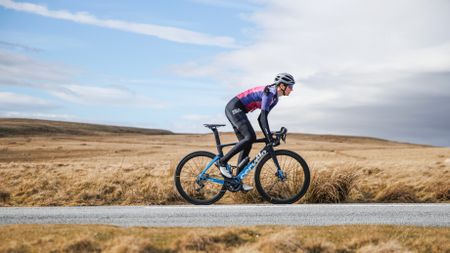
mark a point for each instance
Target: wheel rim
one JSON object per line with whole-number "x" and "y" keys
{"x": 188, "y": 177}
{"x": 286, "y": 189}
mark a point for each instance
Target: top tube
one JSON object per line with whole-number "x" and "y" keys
{"x": 234, "y": 143}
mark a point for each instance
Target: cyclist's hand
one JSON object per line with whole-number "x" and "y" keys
{"x": 272, "y": 138}
{"x": 275, "y": 141}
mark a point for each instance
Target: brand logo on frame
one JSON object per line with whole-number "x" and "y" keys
{"x": 260, "y": 155}
{"x": 251, "y": 165}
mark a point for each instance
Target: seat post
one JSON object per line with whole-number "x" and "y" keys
{"x": 216, "y": 136}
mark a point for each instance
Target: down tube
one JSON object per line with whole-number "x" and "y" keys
{"x": 245, "y": 171}
{"x": 252, "y": 164}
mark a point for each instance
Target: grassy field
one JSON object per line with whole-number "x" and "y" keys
{"x": 80, "y": 164}
{"x": 332, "y": 239}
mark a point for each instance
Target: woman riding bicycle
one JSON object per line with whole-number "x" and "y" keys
{"x": 261, "y": 97}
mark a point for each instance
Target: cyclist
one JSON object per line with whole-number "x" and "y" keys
{"x": 261, "y": 97}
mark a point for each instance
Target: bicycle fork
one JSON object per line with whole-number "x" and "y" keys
{"x": 279, "y": 172}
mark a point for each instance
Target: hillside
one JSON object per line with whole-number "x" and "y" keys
{"x": 48, "y": 163}
{"x": 19, "y": 127}
{"x": 10, "y": 127}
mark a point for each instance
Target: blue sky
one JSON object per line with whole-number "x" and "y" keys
{"x": 375, "y": 68}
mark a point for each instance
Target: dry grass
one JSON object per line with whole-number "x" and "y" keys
{"x": 397, "y": 193}
{"x": 215, "y": 242}
{"x": 106, "y": 186}
{"x": 4, "y": 196}
{"x": 332, "y": 239}
{"x": 124, "y": 169}
{"x": 442, "y": 192}
{"x": 332, "y": 186}
{"x": 384, "y": 247}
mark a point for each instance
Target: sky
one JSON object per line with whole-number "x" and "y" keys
{"x": 378, "y": 68}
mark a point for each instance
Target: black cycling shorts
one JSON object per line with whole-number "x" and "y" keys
{"x": 236, "y": 114}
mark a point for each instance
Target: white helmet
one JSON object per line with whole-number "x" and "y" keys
{"x": 285, "y": 78}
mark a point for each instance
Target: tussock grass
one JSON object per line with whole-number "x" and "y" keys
{"x": 397, "y": 193}
{"x": 332, "y": 186}
{"x": 265, "y": 239}
{"x": 442, "y": 192}
{"x": 4, "y": 196}
{"x": 215, "y": 243}
{"x": 106, "y": 186}
{"x": 82, "y": 245}
{"x": 131, "y": 244}
{"x": 283, "y": 241}
{"x": 384, "y": 247}
{"x": 251, "y": 197}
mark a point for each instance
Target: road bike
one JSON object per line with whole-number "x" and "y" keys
{"x": 281, "y": 176}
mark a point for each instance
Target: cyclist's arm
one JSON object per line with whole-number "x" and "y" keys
{"x": 262, "y": 119}
{"x": 264, "y": 124}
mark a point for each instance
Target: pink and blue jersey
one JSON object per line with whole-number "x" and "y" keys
{"x": 256, "y": 98}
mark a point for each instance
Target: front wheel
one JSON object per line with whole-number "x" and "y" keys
{"x": 198, "y": 191}
{"x": 288, "y": 187}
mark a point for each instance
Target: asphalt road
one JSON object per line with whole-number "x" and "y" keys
{"x": 233, "y": 215}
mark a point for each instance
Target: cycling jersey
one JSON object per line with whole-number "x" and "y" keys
{"x": 256, "y": 98}
{"x": 236, "y": 112}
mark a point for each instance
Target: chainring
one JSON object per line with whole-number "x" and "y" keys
{"x": 233, "y": 184}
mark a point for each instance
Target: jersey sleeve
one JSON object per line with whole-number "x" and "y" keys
{"x": 264, "y": 124}
{"x": 266, "y": 100}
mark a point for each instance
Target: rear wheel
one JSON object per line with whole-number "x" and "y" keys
{"x": 287, "y": 189}
{"x": 191, "y": 188}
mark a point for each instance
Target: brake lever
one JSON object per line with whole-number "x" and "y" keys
{"x": 283, "y": 134}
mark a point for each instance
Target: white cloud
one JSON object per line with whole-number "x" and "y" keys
{"x": 113, "y": 96}
{"x": 162, "y": 32}
{"x": 232, "y": 4}
{"x": 347, "y": 56}
{"x": 57, "y": 79}
{"x": 20, "y": 47}
{"x": 11, "y": 100}
{"x": 311, "y": 38}
{"x": 193, "y": 123}
{"x": 21, "y": 70}
{"x": 196, "y": 117}
{"x": 51, "y": 116}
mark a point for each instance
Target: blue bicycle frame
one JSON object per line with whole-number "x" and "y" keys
{"x": 266, "y": 150}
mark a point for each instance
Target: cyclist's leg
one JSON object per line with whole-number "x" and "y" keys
{"x": 244, "y": 153}
{"x": 245, "y": 130}
{"x": 243, "y": 126}
{"x": 240, "y": 137}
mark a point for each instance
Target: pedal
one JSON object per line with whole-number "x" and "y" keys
{"x": 246, "y": 188}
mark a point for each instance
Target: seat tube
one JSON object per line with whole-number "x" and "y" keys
{"x": 216, "y": 136}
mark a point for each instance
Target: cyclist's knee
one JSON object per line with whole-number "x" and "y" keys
{"x": 250, "y": 138}
{"x": 248, "y": 134}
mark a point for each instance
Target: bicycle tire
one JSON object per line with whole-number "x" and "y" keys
{"x": 301, "y": 172}
{"x": 189, "y": 194}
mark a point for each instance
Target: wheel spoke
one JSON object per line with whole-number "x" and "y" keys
{"x": 274, "y": 188}
{"x": 186, "y": 180}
